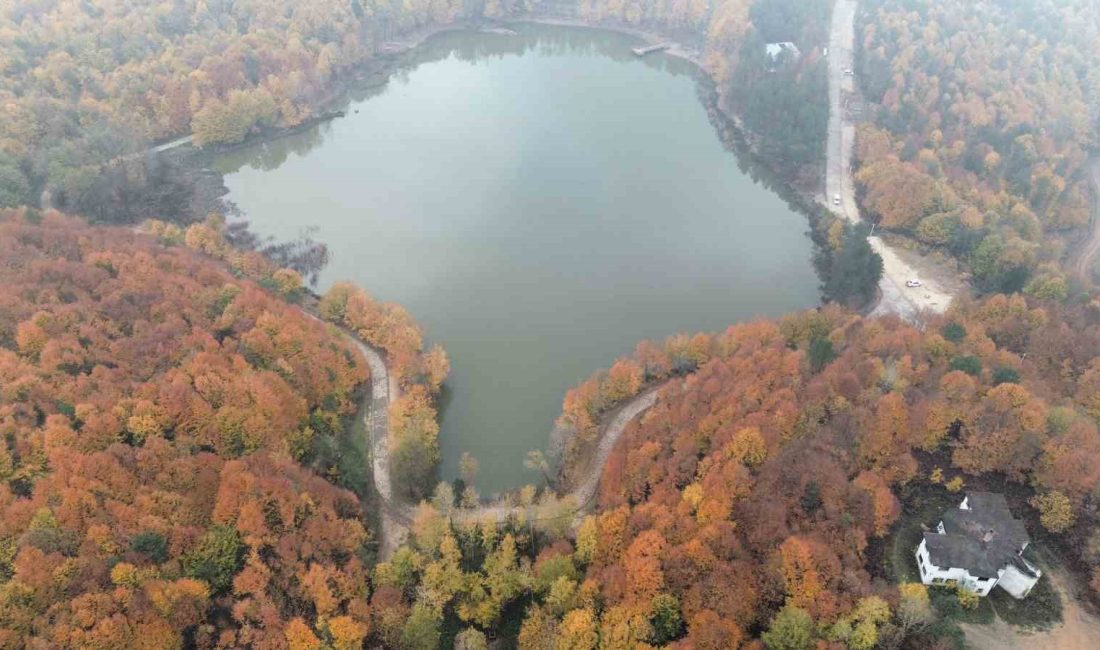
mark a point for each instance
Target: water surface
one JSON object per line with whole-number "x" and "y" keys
{"x": 540, "y": 203}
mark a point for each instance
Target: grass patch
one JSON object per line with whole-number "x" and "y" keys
{"x": 353, "y": 455}
{"x": 923, "y": 507}
{"x": 946, "y": 604}
{"x": 941, "y": 634}
{"x": 944, "y": 631}
{"x": 1041, "y": 610}
{"x": 344, "y": 457}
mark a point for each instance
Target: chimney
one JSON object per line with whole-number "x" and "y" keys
{"x": 988, "y": 536}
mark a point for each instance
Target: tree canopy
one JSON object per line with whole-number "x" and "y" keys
{"x": 156, "y": 414}
{"x": 984, "y": 116}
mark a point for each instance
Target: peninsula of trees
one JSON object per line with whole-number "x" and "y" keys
{"x": 752, "y": 496}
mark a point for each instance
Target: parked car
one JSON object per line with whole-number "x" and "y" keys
{"x": 849, "y": 71}
{"x": 913, "y": 283}
{"x": 836, "y": 199}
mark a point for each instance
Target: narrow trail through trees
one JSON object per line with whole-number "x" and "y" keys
{"x": 1083, "y": 265}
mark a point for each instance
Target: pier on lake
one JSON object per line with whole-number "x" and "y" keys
{"x": 647, "y": 49}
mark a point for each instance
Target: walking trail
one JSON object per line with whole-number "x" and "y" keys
{"x": 397, "y": 514}
{"x": 1083, "y": 264}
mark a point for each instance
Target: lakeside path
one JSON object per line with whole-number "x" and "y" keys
{"x": 895, "y": 298}
{"x": 397, "y": 514}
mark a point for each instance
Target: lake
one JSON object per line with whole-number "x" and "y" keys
{"x": 540, "y": 203}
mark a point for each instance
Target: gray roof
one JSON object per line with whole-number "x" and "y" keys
{"x": 982, "y": 539}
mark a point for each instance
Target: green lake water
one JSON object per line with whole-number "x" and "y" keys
{"x": 539, "y": 203}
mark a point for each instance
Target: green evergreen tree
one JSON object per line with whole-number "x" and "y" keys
{"x": 854, "y": 270}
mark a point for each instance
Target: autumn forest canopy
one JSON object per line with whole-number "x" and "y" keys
{"x": 156, "y": 412}
{"x": 985, "y": 116}
{"x": 163, "y": 416}
{"x": 187, "y": 450}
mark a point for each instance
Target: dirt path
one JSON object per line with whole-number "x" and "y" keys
{"x": 895, "y": 297}
{"x": 585, "y": 493}
{"x": 397, "y": 514}
{"x": 1079, "y": 630}
{"x": 1083, "y": 264}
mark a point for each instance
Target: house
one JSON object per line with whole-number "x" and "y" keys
{"x": 775, "y": 50}
{"x": 979, "y": 545}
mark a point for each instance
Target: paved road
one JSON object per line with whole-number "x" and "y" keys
{"x": 896, "y": 298}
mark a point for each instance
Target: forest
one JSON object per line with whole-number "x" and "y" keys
{"x": 984, "y": 118}
{"x": 175, "y": 405}
{"x": 165, "y": 405}
{"x": 988, "y": 135}
{"x": 748, "y": 502}
{"x": 160, "y": 417}
{"x": 88, "y": 85}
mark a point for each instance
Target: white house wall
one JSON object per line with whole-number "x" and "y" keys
{"x": 1016, "y": 583}
{"x": 930, "y": 574}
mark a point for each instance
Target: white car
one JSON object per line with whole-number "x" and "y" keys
{"x": 913, "y": 283}
{"x": 849, "y": 71}
{"x": 836, "y": 199}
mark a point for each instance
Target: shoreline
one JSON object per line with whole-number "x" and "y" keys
{"x": 379, "y": 70}
{"x": 740, "y": 141}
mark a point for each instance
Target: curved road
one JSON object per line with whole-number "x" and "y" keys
{"x": 396, "y": 515}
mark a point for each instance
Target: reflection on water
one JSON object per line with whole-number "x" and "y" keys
{"x": 478, "y": 48}
{"x": 540, "y": 203}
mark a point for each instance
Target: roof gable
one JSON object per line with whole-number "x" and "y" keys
{"x": 774, "y": 50}
{"x": 982, "y": 538}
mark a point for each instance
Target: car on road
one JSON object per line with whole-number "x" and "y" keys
{"x": 849, "y": 71}
{"x": 836, "y": 199}
{"x": 912, "y": 283}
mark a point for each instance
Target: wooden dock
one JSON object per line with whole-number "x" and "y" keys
{"x": 642, "y": 51}
{"x": 393, "y": 48}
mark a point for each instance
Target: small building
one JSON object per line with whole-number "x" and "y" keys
{"x": 776, "y": 50}
{"x": 979, "y": 545}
